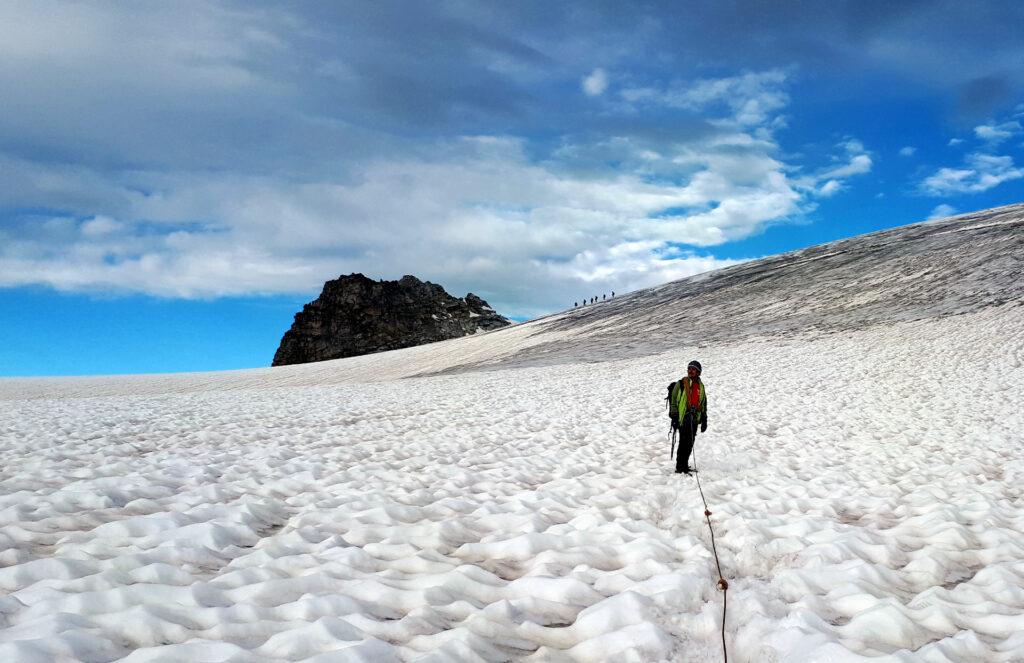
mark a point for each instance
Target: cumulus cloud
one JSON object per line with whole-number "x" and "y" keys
{"x": 997, "y": 133}
{"x": 596, "y": 83}
{"x": 981, "y": 173}
{"x": 907, "y": 151}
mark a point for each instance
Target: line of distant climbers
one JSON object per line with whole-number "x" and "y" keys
{"x": 593, "y": 300}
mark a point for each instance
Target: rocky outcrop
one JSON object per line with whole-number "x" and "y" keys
{"x": 355, "y": 315}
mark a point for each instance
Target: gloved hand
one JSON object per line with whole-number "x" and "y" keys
{"x": 704, "y": 423}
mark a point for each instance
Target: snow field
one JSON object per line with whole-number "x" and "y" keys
{"x": 865, "y": 488}
{"x": 478, "y": 350}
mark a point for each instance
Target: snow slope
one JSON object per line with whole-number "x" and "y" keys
{"x": 512, "y": 499}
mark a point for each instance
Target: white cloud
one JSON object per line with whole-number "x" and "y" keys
{"x": 629, "y": 265}
{"x": 483, "y": 212}
{"x": 907, "y": 151}
{"x": 596, "y": 83}
{"x": 829, "y": 188}
{"x": 753, "y": 101}
{"x": 828, "y": 181}
{"x": 255, "y": 148}
{"x": 752, "y": 98}
{"x": 467, "y": 214}
{"x": 982, "y": 172}
{"x": 853, "y": 146}
{"x": 101, "y": 225}
{"x": 953, "y": 142}
{"x": 997, "y": 133}
{"x": 859, "y": 164}
{"x": 942, "y": 211}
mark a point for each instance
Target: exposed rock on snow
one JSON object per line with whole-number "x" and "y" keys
{"x": 355, "y": 316}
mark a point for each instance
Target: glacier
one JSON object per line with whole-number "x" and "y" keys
{"x": 509, "y": 496}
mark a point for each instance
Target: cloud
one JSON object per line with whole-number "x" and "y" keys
{"x": 751, "y": 98}
{"x": 982, "y": 172}
{"x": 830, "y": 187}
{"x": 828, "y": 181}
{"x": 101, "y": 225}
{"x": 858, "y": 165}
{"x": 997, "y": 133}
{"x": 260, "y": 148}
{"x": 596, "y": 83}
{"x": 953, "y": 142}
{"x": 476, "y": 216}
{"x": 907, "y": 151}
{"x": 465, "y": 211}
{"x": 942, "y": 211}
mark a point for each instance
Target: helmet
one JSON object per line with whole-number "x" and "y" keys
{"x": 694, "y": 364}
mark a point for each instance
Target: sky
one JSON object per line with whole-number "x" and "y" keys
{"x": 176, "y": 180}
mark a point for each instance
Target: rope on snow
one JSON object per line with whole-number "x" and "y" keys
{"x": 722, "y": 584}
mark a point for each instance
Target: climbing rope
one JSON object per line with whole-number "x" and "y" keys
{"x": 722, "y": 584}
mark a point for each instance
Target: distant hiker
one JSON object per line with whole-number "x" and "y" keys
{"x": 575, "y": 304}
{"x": 603, "y": 297}
{"x": 688, "y": 409}
{"x": 613, "y": 294}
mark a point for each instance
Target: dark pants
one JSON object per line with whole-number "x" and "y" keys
{"x": 687, "y": 431}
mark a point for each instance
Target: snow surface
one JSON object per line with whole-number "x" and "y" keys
{"x": 512, "y": 498}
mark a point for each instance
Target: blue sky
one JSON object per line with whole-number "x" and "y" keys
{"x": 178, "y": 179}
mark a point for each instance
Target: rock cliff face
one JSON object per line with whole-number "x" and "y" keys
{"x": 355, "y": 315}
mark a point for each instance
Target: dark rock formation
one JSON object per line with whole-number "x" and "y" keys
{"x": 355, "y": 315}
